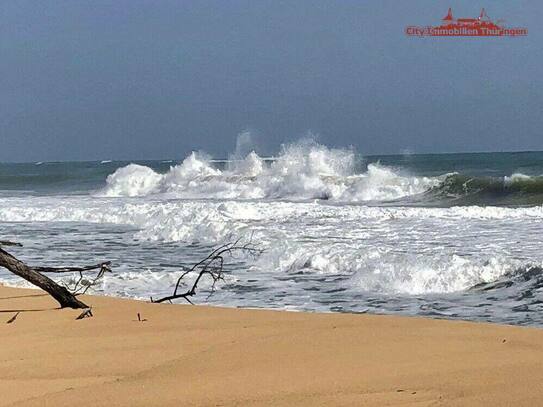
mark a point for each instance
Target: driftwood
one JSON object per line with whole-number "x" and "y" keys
{"x": 212, "y": 266}
{"x": 65, "y": 297}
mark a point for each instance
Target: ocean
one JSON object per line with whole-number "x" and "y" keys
{"x": 443, "y": 235}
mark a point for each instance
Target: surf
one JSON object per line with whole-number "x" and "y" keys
{"x": 302, "y": 171}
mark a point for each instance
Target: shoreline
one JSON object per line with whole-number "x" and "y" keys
{"x": 290, "y": 310}
{"x": 202, "y": 355}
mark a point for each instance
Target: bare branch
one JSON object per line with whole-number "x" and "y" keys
{"x": 59, "y": 293}
{"x": 66, "y": 296}
{"x": 8, "y": 243}
{"x": 72, "y": 269}
{"x": 82, "y": 284}
{"x": 211, "y": 266}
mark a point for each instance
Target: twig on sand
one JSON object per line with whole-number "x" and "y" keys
{"x": 12, "y": 319}
{"x": 85, "y": 314}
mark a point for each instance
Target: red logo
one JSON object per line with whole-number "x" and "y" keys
{"x": 481, "y": 26}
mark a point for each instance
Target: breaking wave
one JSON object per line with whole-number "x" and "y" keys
{"x": 307, "y": 171}
{"x": 381, "y": 270}
{"x": 518, "y": 189}
{"x": 300, "y": 172}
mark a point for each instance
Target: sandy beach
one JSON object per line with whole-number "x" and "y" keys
{"x": 203, "y": 356}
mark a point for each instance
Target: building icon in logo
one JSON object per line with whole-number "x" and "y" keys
{"x": 481, "y": 26}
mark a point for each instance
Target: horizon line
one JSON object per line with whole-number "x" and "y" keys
{"x": 407, "y": 153}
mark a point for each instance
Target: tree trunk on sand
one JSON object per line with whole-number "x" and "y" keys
{"x": 59, "y": 293}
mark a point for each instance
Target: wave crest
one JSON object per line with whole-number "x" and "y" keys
{"x": 383, "y": 271}
{"x": 518, "y": 189}
{"x": 301, "y": 171}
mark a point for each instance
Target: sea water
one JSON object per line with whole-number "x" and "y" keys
{"x": 448, "y": 235}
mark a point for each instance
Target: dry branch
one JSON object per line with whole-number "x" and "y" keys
{"x": 212, "y": 266}
{"x": 73, "y": 269}
{"x": 66, "y": 296}
{"x": 9, "y": 243}
{"x": 81, "y": 285}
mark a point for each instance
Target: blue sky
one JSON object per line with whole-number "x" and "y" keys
{"x": 133, "y": 79}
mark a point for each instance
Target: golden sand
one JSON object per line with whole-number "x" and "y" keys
{"x": 186, "y": 355}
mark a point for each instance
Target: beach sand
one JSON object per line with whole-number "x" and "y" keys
{"x": 186, "y": 355}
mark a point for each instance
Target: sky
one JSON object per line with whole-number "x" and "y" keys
{"x": 129, "y": 79}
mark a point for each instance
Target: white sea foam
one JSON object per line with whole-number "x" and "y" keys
{"x": 384, "y": 251}
{"x": 387, "y": 272}
{"x": 517, "y": 176}
{"x": 301, "y": 171}
{"x": 211, "y": 221}
{"x": 133, "y": 180}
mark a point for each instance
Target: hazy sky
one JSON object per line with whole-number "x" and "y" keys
{"x": 84, "y": 80}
